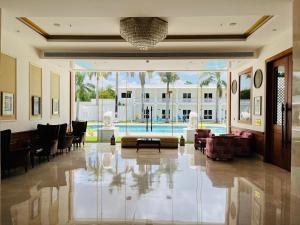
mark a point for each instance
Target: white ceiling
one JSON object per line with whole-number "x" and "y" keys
{"x": 159, "y": 8}
{"x": 102, "y": 17}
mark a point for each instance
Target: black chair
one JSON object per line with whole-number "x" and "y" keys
{"x": 79, "y": 129}
{"x": 48, "y": 141}
{"x": 12, "y": 159}
{"x": 65, "y": 139}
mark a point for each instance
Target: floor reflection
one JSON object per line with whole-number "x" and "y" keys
{"x": 110, "y": 185}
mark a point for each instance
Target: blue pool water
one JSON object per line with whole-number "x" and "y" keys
{"x": 177, "y": 129}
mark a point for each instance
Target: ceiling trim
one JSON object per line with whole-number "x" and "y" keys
{"x": 170, "y": 38}
{"x": 259, "y": 23}
{"x": 34, "y": 26}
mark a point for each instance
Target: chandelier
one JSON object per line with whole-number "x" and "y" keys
{"x": 143, "y": 32}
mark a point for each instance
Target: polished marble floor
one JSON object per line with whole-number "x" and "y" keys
{"x": 103, "y": 184}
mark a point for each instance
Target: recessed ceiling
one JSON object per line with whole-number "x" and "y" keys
{"x": 202, "y": 25}
{"x": 189, "y": 17}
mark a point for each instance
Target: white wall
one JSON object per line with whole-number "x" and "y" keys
{"x": 25, "y": 54}
{"x": 282, "y": 42}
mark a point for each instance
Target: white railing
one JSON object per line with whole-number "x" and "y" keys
{"x": 186, "y": 100}
{"x": 208, "y": 100}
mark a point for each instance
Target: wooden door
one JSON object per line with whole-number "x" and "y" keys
{"x": 281, "y": 112}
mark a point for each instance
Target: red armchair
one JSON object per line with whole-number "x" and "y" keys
{"x": 201, "y": 134}
{"x": 243, "y": 144}
{"x": 220, "y": 147}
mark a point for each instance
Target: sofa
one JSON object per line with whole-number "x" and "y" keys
{"x": 165, "y": 141}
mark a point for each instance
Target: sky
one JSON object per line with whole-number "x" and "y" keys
{"x": 185, "y": 77}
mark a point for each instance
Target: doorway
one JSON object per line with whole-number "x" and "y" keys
{"x": 278, "y": 116}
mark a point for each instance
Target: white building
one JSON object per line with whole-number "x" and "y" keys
{"x": 183, "y": 100}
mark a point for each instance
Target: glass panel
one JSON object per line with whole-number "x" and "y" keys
{"x": 86, "y": 104}
{"x": 128, "y": 97}
{"x": 280, "y": 94}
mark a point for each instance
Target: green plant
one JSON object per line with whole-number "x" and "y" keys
{"x": 107, "y": 93}
{"x": 83, "y": 91}
{"x": 216, "y": 79}
{"x": 168, "y": 78}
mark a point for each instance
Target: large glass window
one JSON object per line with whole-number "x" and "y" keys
{"x": 144, "y": 102}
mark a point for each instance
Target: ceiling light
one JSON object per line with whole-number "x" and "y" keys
{"x": 57, "y": 24}
{"x": 143, "y": 32}
{"x": 232, "y": 24}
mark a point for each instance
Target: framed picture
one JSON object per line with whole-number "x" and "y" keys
{"x": 36, "y": 105}
{"x": 7, "y": 104}
{"x": 258, "y": 78}
{"x": 55, "y": 106}
{"x": 234, "y": 86}
{"x": 257, "y": 105}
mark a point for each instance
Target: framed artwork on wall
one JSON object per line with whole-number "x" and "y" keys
{"x": 258, "y": 78}
{"x": 257, "y": 106}
{"x": 36, "y": 105}
{"x": 7, "y": 104}
{"x": 55, "y": 107}
{"x": 234, "y": 86}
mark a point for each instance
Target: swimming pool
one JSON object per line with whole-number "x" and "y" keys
{"x": 160, "y": 128}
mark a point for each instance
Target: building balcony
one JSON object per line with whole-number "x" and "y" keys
{"x": 208, "y": 100}
{"x": 188, "y": 100}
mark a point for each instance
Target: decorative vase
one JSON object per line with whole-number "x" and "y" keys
{"x": 113, "y": 140}
{"x": 182, "y": 141}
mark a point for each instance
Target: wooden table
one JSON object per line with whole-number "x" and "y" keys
{"x": 147, "y": 141}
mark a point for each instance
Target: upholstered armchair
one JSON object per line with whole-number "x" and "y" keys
{"x": 243, "y": 144}
{"x": 220, "y": 147}
{"x": 48, "y": 141}
{"x": 201, "y": 135}
{"x": 79, "y": 130}
{"x": 65, "y": 139}
{"x": 12, "y": 159}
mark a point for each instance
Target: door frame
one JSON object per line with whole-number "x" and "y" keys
{"x": 269, "y": 98}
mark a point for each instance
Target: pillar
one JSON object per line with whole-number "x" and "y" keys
{"x": 295, "y": 154}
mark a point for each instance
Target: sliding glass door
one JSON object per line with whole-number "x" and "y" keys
{"x": 149, "y": 102}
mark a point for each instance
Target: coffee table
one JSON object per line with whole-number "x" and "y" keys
{"x": 147, "y": 141}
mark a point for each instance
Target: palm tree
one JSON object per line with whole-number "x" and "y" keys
{"x": 142, "y": 77}
{"x": 82, "y": 89}
{"x": 215, "y": 78}
{"x": 168, "y": 78}
{"x": 98, "y": 76}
